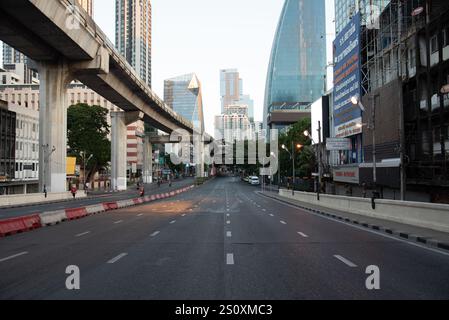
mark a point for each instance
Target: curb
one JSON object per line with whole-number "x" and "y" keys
{"x": 26, "y": 223}
{"x": 430, "y": 242}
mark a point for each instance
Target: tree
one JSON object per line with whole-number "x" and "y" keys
{"x": 87, "y": 132}
{"x": 305, "y": 158}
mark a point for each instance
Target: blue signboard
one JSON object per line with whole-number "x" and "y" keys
{"x": 347, "y": 84}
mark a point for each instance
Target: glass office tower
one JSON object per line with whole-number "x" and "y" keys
{"x": 183, "y": 95}
{"x": 346, "y": 9}
{"x": 297, "y": 68}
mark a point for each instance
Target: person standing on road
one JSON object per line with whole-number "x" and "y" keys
{"x": 73, "y": 190}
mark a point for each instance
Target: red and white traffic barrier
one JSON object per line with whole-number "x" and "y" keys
{"x": 31, "y": 222}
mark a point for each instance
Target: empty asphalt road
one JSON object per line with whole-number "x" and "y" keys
{"x": 221, "y": 241}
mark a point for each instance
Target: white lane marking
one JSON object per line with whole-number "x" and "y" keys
{"x": 155, "y": 233}
{"x": 172, "y": 222}
{"x": 114, "y": 260}
{"x": 271, "y": 215}
{"x": 13, "y": 256}
{"x": 82, "y": 234}
{"x": 265, "y": 210}
{"x": 303, "y": 235}
{"x": 361, "y": 228}
{"x": 229, "y": 234}
{"x": 227, "y": 215}
{"x": 283, "y": 222}
{"x": 139, "y": 215}
{"x": 183, "y": 215}
{"x": 228, "y": 210}
{"x": 230, "y": 259}
{"x": 346, "y": 261}
{"x": 117, "y": 222}
{"x": 228, "y": 222}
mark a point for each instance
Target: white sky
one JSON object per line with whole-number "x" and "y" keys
{"x": 204, "y": 36}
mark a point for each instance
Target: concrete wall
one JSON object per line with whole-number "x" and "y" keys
{"x": 16, "y": 200}
{"x": 426, "y": 215}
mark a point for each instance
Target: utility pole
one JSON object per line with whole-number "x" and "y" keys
{"x": 47, "y": 154}
{"x": 320, "y": 169}
{"x": 403, "y": 176}
{"x": 373, "y": 117}
{"x": 293, "y": 160}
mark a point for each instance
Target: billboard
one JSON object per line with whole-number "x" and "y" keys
{"x": 347, "y": 74}
{"x": 71, "y": 166}
{"x": 338, "y": 144}
{"x": 317, "y": 116}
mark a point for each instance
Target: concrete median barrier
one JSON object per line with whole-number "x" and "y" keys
{"x": 53, "y": 217}
{"x": 30, "y": 222}
{"x": 94, "y": 209}
{"x": 125, "y": 204}
{"x": 108, "y": 206}
{"x": 20, "y": 224}
{"x": 425, "y": 215}
{"x": 76, "y": 213}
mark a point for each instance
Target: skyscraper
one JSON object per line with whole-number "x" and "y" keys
{"x": 229, "y": 87}
{"x": 231, "y": 91}
{"x": 346, "y": 9}
{"x": 183, "y": 94}
{"x": 11, "y": 55}
{"x": 297, "y": 68}
{"x": 233, "y": 124}
{"x": 133, "y": 35}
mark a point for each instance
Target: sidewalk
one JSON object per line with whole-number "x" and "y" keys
{"x": 429, "y": 237}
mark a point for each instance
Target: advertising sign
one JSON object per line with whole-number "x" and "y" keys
{"x": 347, "y": 82}
{"x": 347, "y": 174}
{"x": 71, "y": 166}
{"x": 338, "y": 144}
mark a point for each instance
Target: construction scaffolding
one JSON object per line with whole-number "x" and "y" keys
{"x": 384, "y": 38}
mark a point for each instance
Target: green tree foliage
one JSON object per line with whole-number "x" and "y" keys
{"x": 305, "y": 156}
{"x": 87, "y": 131}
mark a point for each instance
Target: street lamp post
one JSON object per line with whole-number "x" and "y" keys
{"x": 292, "y": 156}
{"x": 372, "y": 126}
{"x": 320, "y": 160}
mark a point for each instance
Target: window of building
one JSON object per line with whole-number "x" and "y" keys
{"x": 446, "y": 37}
{"x": 434, "y": 44}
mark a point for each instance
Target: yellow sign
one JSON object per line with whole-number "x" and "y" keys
{"x": 70, "y": 166}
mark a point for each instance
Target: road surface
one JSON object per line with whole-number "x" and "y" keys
{"x": 220, "y": 241}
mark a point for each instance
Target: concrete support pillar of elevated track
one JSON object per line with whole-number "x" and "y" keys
{"x": 119, "y": 123}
